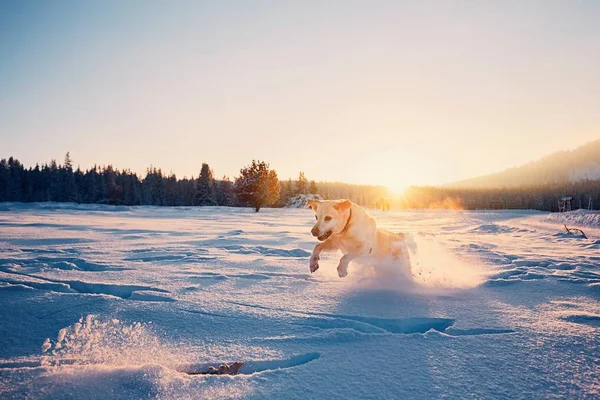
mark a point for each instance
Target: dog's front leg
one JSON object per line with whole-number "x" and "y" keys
{"x": 345, "y": 260}
{"x": 327, "y": 245}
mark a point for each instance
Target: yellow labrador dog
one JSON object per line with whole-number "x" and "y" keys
{"x": 343, "y": 225}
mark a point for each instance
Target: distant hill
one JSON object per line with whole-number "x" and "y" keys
{"x": 580, "y": 164}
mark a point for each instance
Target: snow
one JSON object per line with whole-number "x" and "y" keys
{"x": 301, "y": 200}
{"x": 103, "y": 302}
{"x": 578, "y": 218}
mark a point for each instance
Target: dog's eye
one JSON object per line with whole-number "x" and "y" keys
{"x": 327, "y": 219}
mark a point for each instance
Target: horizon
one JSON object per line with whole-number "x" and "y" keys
{"x": 403, "y": 94}
{"x": 217, "y": 176}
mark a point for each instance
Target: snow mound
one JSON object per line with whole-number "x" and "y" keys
{"x": 301, "y": 200}
{"x": 94, "y": 341}
{"x": 579, "y": 217}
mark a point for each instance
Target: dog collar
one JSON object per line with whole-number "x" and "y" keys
{"x": 347, "y": 222}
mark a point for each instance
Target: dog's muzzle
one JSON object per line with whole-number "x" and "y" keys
{"x": 325, "y": 236}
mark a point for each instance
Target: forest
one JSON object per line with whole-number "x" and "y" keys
{"x": 108, "y": 185}
{"x": 585, "y": 194}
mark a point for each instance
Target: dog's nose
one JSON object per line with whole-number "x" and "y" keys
{"x": 314, "y": 231}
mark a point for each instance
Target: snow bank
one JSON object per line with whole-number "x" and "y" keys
{"x": 579, "y": 217}
{"x": 301, "y": 200}
{"x": 54, "y": 206}
{"x": 110, "y": 342}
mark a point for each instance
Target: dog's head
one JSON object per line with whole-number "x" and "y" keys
{"x": 331, "y": 217}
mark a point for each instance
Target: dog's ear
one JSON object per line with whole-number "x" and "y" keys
{"x": 342, "y": 205}
{"x": 314, "y": 204}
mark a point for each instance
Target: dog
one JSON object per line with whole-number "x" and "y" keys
{"x": 343, "y": 225}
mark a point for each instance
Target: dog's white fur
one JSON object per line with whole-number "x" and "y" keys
{"x": 343, "y": 225}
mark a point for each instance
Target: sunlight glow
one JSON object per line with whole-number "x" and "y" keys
{"x": 397, "y": 188}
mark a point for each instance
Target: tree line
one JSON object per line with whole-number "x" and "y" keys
{"x": 256, "y": 186}
{"x": 540, "y": 197}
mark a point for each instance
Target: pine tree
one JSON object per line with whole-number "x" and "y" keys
{"x": 114, "y": 191}
{"x": 204, "y": 188}
{"x": 224, "y": 192}
{"x": 67, "y": 180}
{"x": 68, "y": 161}
{"x": 286, "y": 192}
{"x": 15, "y": 190}
{"x": 172, "y": 196}
{"x": 313, "y": 188}
{"x": 26, "y": 186}
{"x": 90, "y": 186}
{"x": 301, "y": 184}
{"x": 188, "y": 190}
{"x": 4, "y": 180}
{"x": 154, "y": 184}
{"x": 257, "y": 185}
{"x": 79, "y": 181}
{"x": 37, "y": 184}
{"x": 54, "y": 182}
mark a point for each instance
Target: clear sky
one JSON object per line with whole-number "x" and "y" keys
{"x": 383, "y": 92}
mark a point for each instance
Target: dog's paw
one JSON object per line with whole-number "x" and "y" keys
{"x": 342, "y": 271}
{"x": 314, "y": 264}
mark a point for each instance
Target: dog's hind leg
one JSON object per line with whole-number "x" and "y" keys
{"x": 327, "y": 245}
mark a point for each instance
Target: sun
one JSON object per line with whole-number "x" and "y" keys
{"x": 397, "y": 188}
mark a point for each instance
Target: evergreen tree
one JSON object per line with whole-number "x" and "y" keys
{"x": 224, "y": 192}
{"x": 79, "y": 182}
{"x": 67, "y": 180}
{"x": 26, "y": 186}
{"x": 147, "y": 197}
{"x": 15, "y": 190}
{"x": 204, "y": 188}
{"x": 154, "y": 187}
{"x": 37, "y": 184}
{"x": 68, "y": 161}
{"x": 257, "y": 185}
{"x": 91, "y": 186}
{"x": 54, "y": 181}
{"x": 301, "y": 184}
{"x": 131, "y": 188}
{"x": 4, "y": 180}
{"x": 286, "y": 192}
{"x": 113, "y": 191}
{"x": 172, "y": 196}
{"x": 313, "y": 188}
{"x": 188, "y": 190}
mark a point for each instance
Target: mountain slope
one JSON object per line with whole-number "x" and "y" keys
{"x": 575, "y": 165}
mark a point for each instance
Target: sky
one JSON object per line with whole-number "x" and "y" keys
{"x": 383, "y": 92}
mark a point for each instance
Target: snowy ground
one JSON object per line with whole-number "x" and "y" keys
{"x": 579, "y": 218}
{"x": 503, "y": 305}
